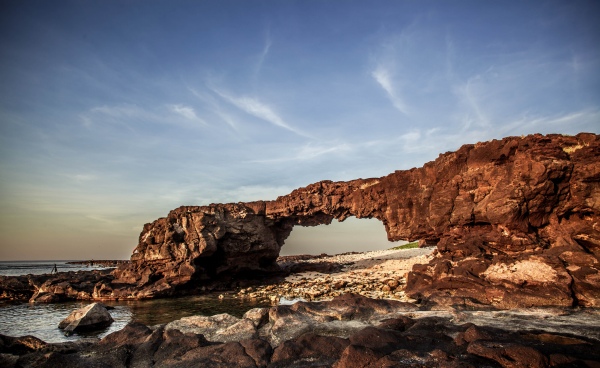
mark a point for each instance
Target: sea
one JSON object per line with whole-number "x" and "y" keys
{"x": 41, "y": 320}
{"x": 16, "y": 268}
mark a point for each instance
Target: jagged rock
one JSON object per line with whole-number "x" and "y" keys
{"x": 515, "y": 222}
{"x": 361, "y": 332}
{"x": 52, "y": 287}
{"x": 91, "y": 317}
{"x": 494, "y": 209}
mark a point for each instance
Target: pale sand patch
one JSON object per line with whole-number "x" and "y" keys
{"x": 380, "y": 261}
{"x": 376, "y": 274}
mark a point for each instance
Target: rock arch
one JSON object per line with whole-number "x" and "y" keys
{"x": 485, "y": 204}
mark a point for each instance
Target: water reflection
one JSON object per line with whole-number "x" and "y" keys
{"x": 41, "y": 320}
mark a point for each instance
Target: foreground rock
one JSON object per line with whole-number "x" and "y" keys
{"x": 349, "y": 331}
{"x": 92, "y": 317}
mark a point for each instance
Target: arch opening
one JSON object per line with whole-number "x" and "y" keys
{"x": 350, "y": 235}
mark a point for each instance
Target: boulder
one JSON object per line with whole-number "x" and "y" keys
{"x": 92, "y": 317}
{"x": 220, "y": 327}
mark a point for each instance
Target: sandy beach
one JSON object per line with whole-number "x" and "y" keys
{"x": 376, "y": 274}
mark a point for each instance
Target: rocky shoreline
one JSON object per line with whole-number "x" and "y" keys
{"x": 101, "y": 262}
{"x": 514, "y": 224}
{"x": 347, "y": 331}
{"x": 355, "y": 314}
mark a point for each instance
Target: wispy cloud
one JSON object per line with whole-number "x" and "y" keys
{"x": 131, "y": 116}
{"x": 263, "y": 54}
{"x": 187, "y": 112}
{"x": 474, "y": 111}
{"x": 573, "y": 122}
{"x": 384, "y": 77}
{"x": 215, "y": 107}
{"x": 253, "y": 106}
{"x": 311, "y": 151}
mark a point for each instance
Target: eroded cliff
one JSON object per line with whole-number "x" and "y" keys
{"x": 516, "y": 223}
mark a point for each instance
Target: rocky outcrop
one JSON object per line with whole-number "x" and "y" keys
{"x": 516, "y": 223}
{"x": 349, "y": 331}
{"x": 91, "y": 317}
{"x": 57, "y": 287}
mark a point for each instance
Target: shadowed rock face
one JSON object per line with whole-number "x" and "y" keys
{"x": 516, "y": 223}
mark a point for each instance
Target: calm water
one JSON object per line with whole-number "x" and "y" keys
{"x": 41, "y": 320}
{"x": 16, "y": 268}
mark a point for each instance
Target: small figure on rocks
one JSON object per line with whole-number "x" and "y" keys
{"x": 54, "y": 270}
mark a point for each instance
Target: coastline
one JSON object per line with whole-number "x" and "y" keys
{"x": 102, "y": 263}
{"x": 335, "y": 310}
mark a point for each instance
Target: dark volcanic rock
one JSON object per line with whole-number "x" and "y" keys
{"x": 515, "y": 221}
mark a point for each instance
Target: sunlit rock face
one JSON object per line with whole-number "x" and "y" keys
{"x": 494, "y": 209}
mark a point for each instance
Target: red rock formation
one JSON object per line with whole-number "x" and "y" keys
{"x": 516, "y": 222}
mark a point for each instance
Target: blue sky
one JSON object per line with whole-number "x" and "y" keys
{"x": 112, "y": 113}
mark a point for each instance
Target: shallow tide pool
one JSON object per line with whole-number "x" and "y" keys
{"x": 41, "y": 320}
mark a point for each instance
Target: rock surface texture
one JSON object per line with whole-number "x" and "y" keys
{"x": 91, "y": 317}
{"x": 348, "y": 331}
{"x": 516, "y": 223}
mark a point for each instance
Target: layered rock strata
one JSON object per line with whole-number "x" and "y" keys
{"x": 516, "y": 223}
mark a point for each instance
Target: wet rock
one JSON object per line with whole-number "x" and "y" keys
{"x": 92, "y": 317}
{"x": 307, "y": 349}
{"x": 349, "y": 331}
{"x": 220, "y": 327}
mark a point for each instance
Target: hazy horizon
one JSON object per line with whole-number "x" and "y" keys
{"x": 357, "y": 234}
{"x": 114, "y": 112}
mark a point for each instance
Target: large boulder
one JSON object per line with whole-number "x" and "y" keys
{"x": 92, "y": 317}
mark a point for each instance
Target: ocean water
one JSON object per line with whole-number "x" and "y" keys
{"x": 41, "y": 320}
{"x": 16, "y": 268}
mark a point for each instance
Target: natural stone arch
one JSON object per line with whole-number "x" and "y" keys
{"x": 488, "y": 203}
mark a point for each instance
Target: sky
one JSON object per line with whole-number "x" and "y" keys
{"x": 113, "y": 113}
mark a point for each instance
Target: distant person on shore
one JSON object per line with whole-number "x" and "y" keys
{"x": 54, "y": 270}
